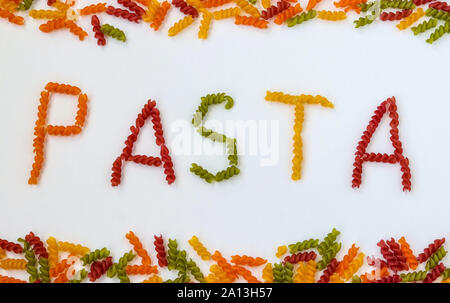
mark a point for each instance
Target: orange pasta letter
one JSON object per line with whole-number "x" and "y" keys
{"x": 41, "y": 129}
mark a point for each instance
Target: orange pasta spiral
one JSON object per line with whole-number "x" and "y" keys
{"x": 160, "y": 15}
{"x": 141, "y": 269}
{"x": 138, "y": 248}
{"x": 52, "y": 25}
{"x": 82, "y": 110}
{"x": 60, "y": 268}
{"x": 251, "y": 21}
{"x": 246, "y": 274}
{"x": 408, "y": 254}
{"x": 53, "y": 254}
{"x": 312, "y": 4}
{"x": 2, "y": 254}
{"x": 9, "y": 5}
{"x": 63, "y": 130}
{"x": 62, "y": 88}
{"x": 5, "y": 279}
{"x": 289, "y": 13}
{"x": 13, "y": 264}
{"x": 153, "y": 279}
{"x": 93, "y": 9}
{"x": 76, "y": 30}
{"x": 18, "y": 20}
{"x": 226, "y": 267}
{"x": 348, "y": 258}
{"x": 246, "y": 260}
{"x": 214, "y": 3}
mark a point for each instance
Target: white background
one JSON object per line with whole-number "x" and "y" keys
{"x": 262, "y": 208}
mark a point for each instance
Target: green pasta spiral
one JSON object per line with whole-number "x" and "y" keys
{"x": 202, "y": 173}
{"x": 25, "y": 5}
{"x": 304, "y": 245}
{"x": 446, "y": 274}
{"x": 227, "y": 173}
{"x": 328, "y": 241}
{"x": 414, "y": 276}
{"x": 119, "y": 268}
{"x": 363, "y": 21}
{"x": 397, "y": 4}
{"x": 439, "y": 32}
{"x": 208, "y": 100}
{"x": 44, "y": 270}
{"x": 366, "y": 6}
{"x": 424, "y": 26}
{"x": 438, "y": 14}
{"x": 80, "y": 276}
{"x": 356, "y": 279}
{"x": 283, "y": 273}
{"x": 96, "y": 255}
{"x": 32, "y": 269}
{"x": 301, "y": 18}
{"x": 195, "y": 271}
{"x": 252, "y": 1}
{"x": 436, "y": 258}
{"x": 113, "y": 32}
{"x": 172, "y": 254}
{"x": 328, "y": 255}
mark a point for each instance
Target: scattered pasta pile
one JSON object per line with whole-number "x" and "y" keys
{"x": 244, "y": 12}
{"x": 308, "y": 261}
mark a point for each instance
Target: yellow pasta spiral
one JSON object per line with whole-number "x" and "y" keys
{"x": 281, "y": 250}
{"x": 13, "y": 264}
{"x": 227, "y": 13}
{"x": 405, "y": 23}
{"x": 46, "y": 14}
{"x": 9, "y": 5}
{"x": 336, "y": 279}
{"x": 306, "y": 272}
{"x": 446, "y": 281}
{"x": 298, "y": 144}
{"x": 267, "y": 273}
{"x": 153, "y": 279}
{"x": 265, "y": 3}
{"x": 248, "y": 8}
{"x": 353, "y": 267}
{"x": 2, "y": 254}
{"x": 219, "y": 275}
{"x": 331, "y": 15}
{"x": 74, "y": 249}
{"x": 53, "y": 254}
{"x": 199, "y": 248}
{"x": 152, "y": 8}
{"x": 195, "y": 3}
{"x": 60, "y": 6}
{"x": 291, "y": 99}
{"x": 204, "y": 25}
{"x": 180, "y": 25}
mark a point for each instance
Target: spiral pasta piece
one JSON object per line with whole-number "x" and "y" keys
{"x": 226, "y": 13}
{"x": 205, "y": 25}
{"x": 180, "y": 25}
{"x": 160, "y": 15}
{"x": 411, "y": 19}
{"x": 74, "y": 249}
{"x": 113, "y": 32}
{"x": 153, "y": 279}
{"x": 306, "y": 272}
{"x": 265, "y": 3}
{"x": 52, "y": 25}
{"x": 141, "y": 269}
{"x": 304, "y": 245}
{"x": 250, "y": 21}
{"x": 267, "y": 273}
{"x": 424, "y": 26}
{"x": 5, "y": 14}
{"x": 246, "y": 260}
{"x": 2, "y": 254}
{"x": 150, "y": 13}
{"x": 47, "y": 14}
{"x": 17, "y": 264}
{"x": 5, "y": 279}
{"x": 363, "y": 21}
{"x": 407, "y": 252}
{"x": 281, "y": 251}
{"x": 95, "y": 255}
{"x": 283, "y": 273}
{"x": 25, "y": 5}
{"x": 199, "y": 248}
{"x": 348, "y": 258}
{"x": 214, "y": 3}
{"x": 138, "y": 248}
{"x": 301, "y": 18}
{"x": 312, "y": 4}
{"x": 9, "y": 5}
{"x": 439, "y": 32}
{"x": 226, "y": 267}
{"x": 197, "y": 4}
{"x": 75, "y": 29}
{"x": 331, "y": 15}
{"x": 288, "y": 14}
{"x": 93, "y": 9}
{"x": 248, "y": 8}
{"x": 436, "y": 258}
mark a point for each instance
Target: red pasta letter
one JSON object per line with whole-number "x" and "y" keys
{"x": 151, "y": 111}
{"x": 41, "y": 129}
{"x": 397, "y": 157}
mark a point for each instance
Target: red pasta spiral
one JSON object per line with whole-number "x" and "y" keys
{"x": 160, "y": 251}
{"x": 300, "y": 257}
{"x": 185, "y": 8}
{"x": 391, "y": 16}
{"x": 398, "y": 253}
{"x": 329, "y": 270}
{"x": 391, "y": 259}
{"x": 443, "y": 6}
{"x": 96, "y": 29}
{"x": 434, "y": 273}
{"x": 50, "y": 2}
{"x": 421, "y": 2}
{"x": 389, "y": 279}
{"x": 131, "y": 5}
{"x": 431, "y": 249}
{"x": 10, "y": 246}
{"x": 123, "y": 13}
{"x": 142, "y": 159}
{"x": 37, "y": 244}
{"x": 275, "y": 9}
{"x": 99, "y": 268}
